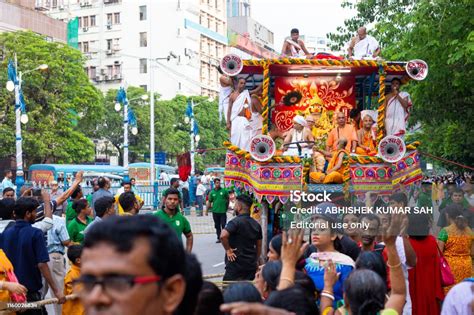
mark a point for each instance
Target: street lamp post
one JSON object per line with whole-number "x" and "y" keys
{"x": 14, "y": 84}
{"x": 128, "y": 118}
{"x": 193, "y": 132}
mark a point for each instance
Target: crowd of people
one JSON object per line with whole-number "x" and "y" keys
{"x": 124, "y": 263}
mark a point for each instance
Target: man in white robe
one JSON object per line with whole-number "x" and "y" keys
{"x": 239, "y": 115}
{"x": 225, "y": 91}
{"x": 299, "y": 133}
{"x": 397, "y": 110}
{"x": 363, "y": 46}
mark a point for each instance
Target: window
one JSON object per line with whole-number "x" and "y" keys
{"x": 80, "y": 21}
{"x": 117, "y": 70}
{"x": 85, "y": 47}
{"x": 217, "y": 50}
{"x": 117, "y": 18}
{"x": 143, "y": 65}
{"x": 142, "y": 12}
{"x": 79, "y": 46}
{"x": 116, "y": 44}
{"x": 92, "y": 17}
{"x": 93, "y": 72}
{"x": 109, "y": 18}
{"x": 143, "y": 39}
{"x": 86, "y": 21}
{"x": 110, "y": 71}
{"x": 144, "y": 87}
{"x": 109, "y": 44}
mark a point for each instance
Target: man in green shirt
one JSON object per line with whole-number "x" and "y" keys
{"x": 218, "y": 203}
{"x": 77, "y": 225}
{"x": 174, "y": 184}
{"x": 174, "y": 218}
{"x": 424, "y": 199}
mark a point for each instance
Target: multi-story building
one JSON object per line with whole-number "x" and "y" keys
{"x": 18, "y": 15}
{"x": 316, "y": 44}
{"x": 123, "y": 40}
{"x": 213, "y": 42}
{"x": 247, "y": 38}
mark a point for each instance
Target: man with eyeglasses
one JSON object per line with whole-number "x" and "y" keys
{"x": 131, "y": 265}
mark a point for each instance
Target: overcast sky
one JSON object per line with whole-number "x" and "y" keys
{"x": 311, "y": 17}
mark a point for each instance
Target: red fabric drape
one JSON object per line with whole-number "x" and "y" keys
{"x": 184, "y": 166}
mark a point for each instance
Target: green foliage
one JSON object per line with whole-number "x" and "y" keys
{"x": 50, "y": 97}
{"x": 441, "y": 33}
{"x": 172, "y": 134}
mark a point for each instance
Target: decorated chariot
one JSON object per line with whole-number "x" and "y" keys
{"x": 320, "y": 87}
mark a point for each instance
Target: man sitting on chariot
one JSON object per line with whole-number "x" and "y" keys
{"x": 336, "y": 168}
{"x": 299, "y": 133}
{"x": 367, "y": 135}
{"x": 294, "y": 47}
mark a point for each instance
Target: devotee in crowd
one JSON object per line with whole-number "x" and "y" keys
{"x": 425, "y": 196}
{"x": 7, "y": 180}
{"x": 363, "y": 46}
{"x": 242, "y": 241}
{"x": 438, "y": 191}
{"x": 367, "y": 136}
{"x": 425, "y": 278}
{"x": 174, "y": 218}
{"x": 128, "y": 202}
{"x": 456, "y": 242}
{"x": 57, "y": 242}
{"x": 54, "y": 194}
{"x": 74, "y": 306}
{"x": 239, "y": 115}
{"x": 140, "y": 264}
{"x": 294, "y": 47}
{"x": 364, "y": 290}
{"x": 397, "y": 110}
{"x": 351, "y": 231}
{"x": 194, "y": 281}
{"x": 209, "y": 300}
{"x": 77, "y": 225}
{"x": 299, "y": 133}
{"x": 457, "y": 302}
{"x": 456, "y": 197}
{"x": 9, "y": 284}
{"x": 104, "y": 208}
{"x": 328, "y": 246}
{"x": 274, "y": 248}
{"x": 127, "y": 187}
{"x": 218, "y": 203}
{"x": 25, "y": 247}
{"x": 335, "y": 170}
{"x": 241, "y": 292}
{"x": 369, "y": 233}
{"x": 200, "y": 196}
{"x": 342, "y": 130}
{"x": 103, "y": 191}
{"x": 174, "y": 184}
{"x": 76, "y": 195}
{"x": 8, "y": 193}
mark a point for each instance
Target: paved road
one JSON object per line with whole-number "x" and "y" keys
{"x": 209, "y": 254}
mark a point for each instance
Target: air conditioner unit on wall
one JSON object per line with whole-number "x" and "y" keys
{"x": 85, "y": 29}
{"x": 109, "y": 52}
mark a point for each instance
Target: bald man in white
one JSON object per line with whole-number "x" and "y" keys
{"x": 363, "y": 46}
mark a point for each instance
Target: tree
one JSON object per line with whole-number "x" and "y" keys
{"x": 61, "y": 102}
{"x": 441, "y": 33}
{"x": 172, "y": 134}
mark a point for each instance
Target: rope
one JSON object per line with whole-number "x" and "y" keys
{"x": 447, "y": 161}
{"x": 7, "y": 308}
{"x": 212, "y": 276}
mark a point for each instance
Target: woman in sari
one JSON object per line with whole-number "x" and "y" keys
{"x": 426, "y": 292}
{"x": 456, "y": 243}
{"x": 324, "y": 238}
{"x": 8, "y": 285}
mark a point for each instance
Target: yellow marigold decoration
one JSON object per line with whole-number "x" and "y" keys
{"x": 382, "y": 106}
{"x": 264, "y": 98}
